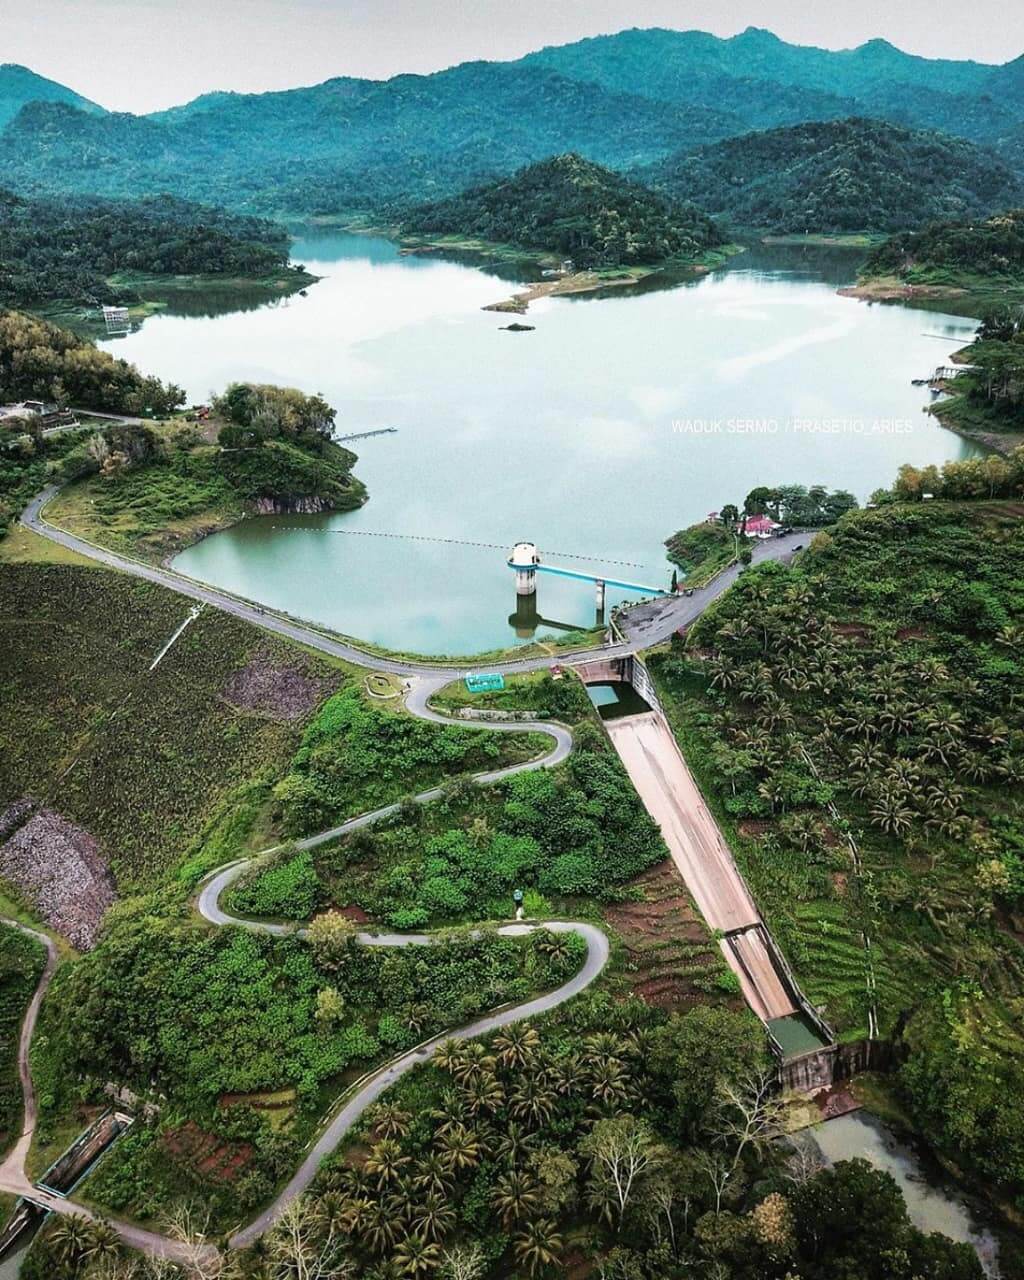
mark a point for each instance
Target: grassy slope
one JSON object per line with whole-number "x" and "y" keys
{"x": 149, "y": 762}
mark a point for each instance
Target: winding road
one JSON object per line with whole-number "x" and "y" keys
{"x": 13, "y": 1178}
{"x": 648, "y": 626}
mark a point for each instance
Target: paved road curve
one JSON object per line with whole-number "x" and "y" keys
{"x": 658, "y": 624}
{"x": 651, "y": 626}
{"x": 13, "y": 1177}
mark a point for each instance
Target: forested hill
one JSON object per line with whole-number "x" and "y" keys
{"x": 768, "y": 81}
{"x": 952, "y": 250}
{"x": 349, "y": 144}
{"x": 19, "y": 85}
{"x": 579, "y": 210}
{"x": 625, "y": 100}
{"x": 841, "y": 176}
{"x": 67, "y": 248}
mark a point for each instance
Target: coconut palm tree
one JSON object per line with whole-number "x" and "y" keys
{"x": 721, "y": 672}
{"x": 337, "y": 1212}
{"x": 434, "y": 1173}
{"x": 418, "y": 1017}
{"x": 516, "y": 1196}
{"x": 944, "y": 797}
{"x": 975, "y": 767}
{"x": 378, "y": 1228}
{"x": 944, "y": 722}
{"x": 449, "y": 1054}
{"x": 514, "y": 1144}
{"x": 475, "y": 1062}
{"x": 70, "y": 1238}
{"x": 103, "y": 1244}
{"x": 450, "y": 1112}
{"x": 1011, "y": 769}
{"x": 859, "y": 722}
{"x": 435, "y": 1218}
{"x": 404, "y": 1200}
{"x": 461, "y": 1146}
{"x": 516, "y": 1045}
{"x": 553, "y": 945}
{"x": 350, "y": 1215}
{"x": 418, "y": 1257}
{"x": 385, "y": 1162}
{"x": 533, "y": 1100}
{"x": 537, "y": 1245}
{"x": 609, "y": 1082}
{"x": 896, "y": 718}
{"x": 891, "y": 813}
{"x": 604, "y": 1046}
{"x": 390, "y": 1120}
{"x": 773, "y": 793}
{"x": 483, "y": 1094}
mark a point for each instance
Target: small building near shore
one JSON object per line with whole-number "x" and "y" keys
{"x": 761, "y": 527}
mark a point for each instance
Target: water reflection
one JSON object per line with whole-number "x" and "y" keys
{"x": 614, "y": 423}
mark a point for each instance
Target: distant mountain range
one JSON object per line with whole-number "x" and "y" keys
{"x": 840, "y": 176}
{"x": 628, "y": 101}
{"x": 19, "y": 85}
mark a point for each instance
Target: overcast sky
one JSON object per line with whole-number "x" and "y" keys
{"x": 140, "y": 55}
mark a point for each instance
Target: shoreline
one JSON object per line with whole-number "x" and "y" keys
{"x": 588, "y": 280}
{"x": 157, "y": 294}
{"x": 1001, "y": 442}
{"x": 889, "y": 289}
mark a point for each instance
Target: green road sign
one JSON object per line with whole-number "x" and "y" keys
{"x": 485, "y": 682}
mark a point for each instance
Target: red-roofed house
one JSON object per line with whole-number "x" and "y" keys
{"x": 761, "y": 527}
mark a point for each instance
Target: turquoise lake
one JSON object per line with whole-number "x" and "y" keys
{"x": 619, "y": 419}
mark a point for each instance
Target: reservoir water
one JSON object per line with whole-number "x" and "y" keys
{"x": 616, "y": 421}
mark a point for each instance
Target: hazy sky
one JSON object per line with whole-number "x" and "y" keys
{"x": 140, "y": 55}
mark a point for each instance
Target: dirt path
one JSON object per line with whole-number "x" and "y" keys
{"x": 12, "y": 1170}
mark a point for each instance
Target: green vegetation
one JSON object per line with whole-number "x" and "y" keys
{"x": 856, "y": 721}
{"x": 144, "y": 761}
{"x": 840, "y": 176}
{"x": 577, "y": 833}
{"x": 955, "y": 253}
{"x": 573, "y": 208}
{"x": 356, "y": 756}
{"x": 702, "y": 549}
{"x": 70, "y": 249}
{"x": 21, "y": 964}
{"x": 705, "y": 548}
{"x": 228, "y": 1024}
{"x": 538, "y": 692}
{"x": 154, "y": 491}
{"x": 19, "y": 85}
{"x": 28, "y": 460}
{"x": 796, "y": 504}
{"x": 614, "y": 1139}
{"x": 82, "y": 713}
{"x": 40, "y": 361}
{"x": 625, "y": 100}
{"x": 366, "y": 143}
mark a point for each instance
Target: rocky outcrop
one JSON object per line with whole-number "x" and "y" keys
{"x": 58, "y": 868}
{"x": 291, "y": 506}
{"x": 266, "y": 688}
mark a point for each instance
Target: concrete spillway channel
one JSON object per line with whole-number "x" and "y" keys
{"x": 647, "y": 748}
